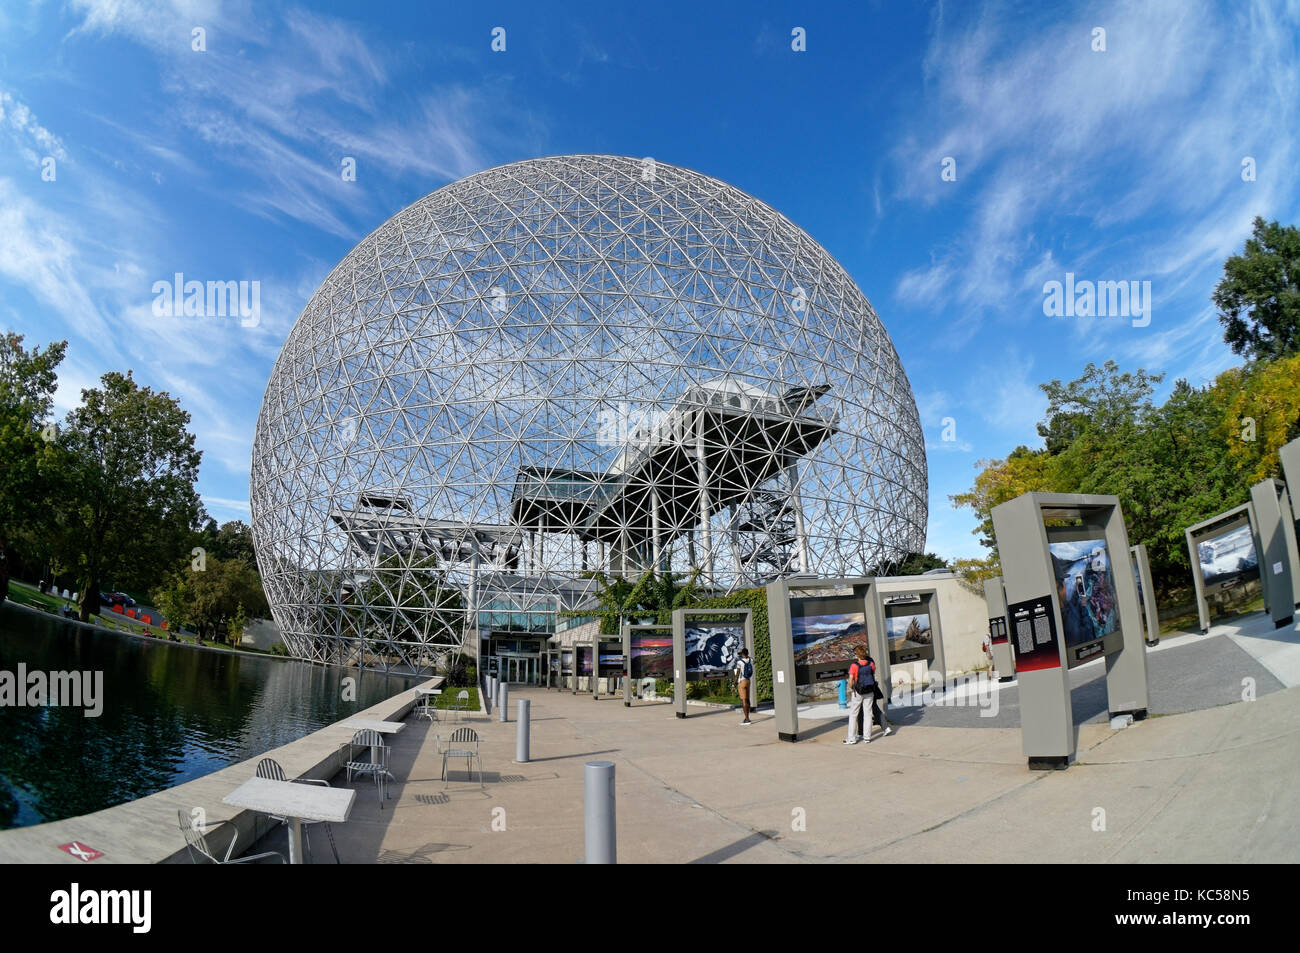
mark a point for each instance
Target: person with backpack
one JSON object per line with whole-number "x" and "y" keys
{"x": 877, "y": 710}
{"x": 862, "y": 686}
{"x": 744, "y": 674}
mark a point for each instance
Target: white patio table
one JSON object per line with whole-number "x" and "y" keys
{"x": 296, "y": 802}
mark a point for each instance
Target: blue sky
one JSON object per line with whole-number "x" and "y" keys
{"x": 224, "y": 164}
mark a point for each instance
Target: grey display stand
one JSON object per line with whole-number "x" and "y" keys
{"x": 857, "y": 590}
{"x": 679, "y": 648}
{"x": 1038, "y": 633}
{"x": 1146, "y": 593}
{"x": 572, "y": 677}
{"x": 577, "y": 669}
{"x": 628, "y": 629}
{"x": 1205, "y": 530}
{"x": 923, "y": 599}
{"x": 595, "y": 663}
{"x": 995, "y": 598}
{"x": 1277, "y": 551}
{"x": 1289, "y": 455}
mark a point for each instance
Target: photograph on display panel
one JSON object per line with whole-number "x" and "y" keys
{"x": 566, "y": 662}
{"x": 611, "y": 661}
{"x": 827, "y": 638}
{"x": 712, "y": 649}
{"x": 1085, "y": 587}
{"x": 1228, "y": 559}
{"x": 652, "y": 654}
{"x": 910, "y": 631}
{"x": 584, "y": 660}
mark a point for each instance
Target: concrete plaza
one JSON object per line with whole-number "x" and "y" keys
{"x": 1219, "y": 784}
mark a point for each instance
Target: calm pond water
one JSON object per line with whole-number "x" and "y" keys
{"x": 170, "y": 714}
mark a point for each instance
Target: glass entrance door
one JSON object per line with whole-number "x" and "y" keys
{"x": 520, "y": 668}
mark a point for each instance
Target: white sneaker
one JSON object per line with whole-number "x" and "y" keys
{"x": 847, "y": 742}
{"x": 888, "y": 731}
{"x": 867, "y": 740}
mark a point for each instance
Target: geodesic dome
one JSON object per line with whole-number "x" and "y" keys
{"x": 563, "y": 367}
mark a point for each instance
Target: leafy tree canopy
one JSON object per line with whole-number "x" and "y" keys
{"x": 1259, "y": 295}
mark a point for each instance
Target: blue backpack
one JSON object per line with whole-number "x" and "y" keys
{"x": 866, "y": 683}
{"x": 747, "y": 669}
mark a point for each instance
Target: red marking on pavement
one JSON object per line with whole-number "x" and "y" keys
{"x": 81, "y": 851}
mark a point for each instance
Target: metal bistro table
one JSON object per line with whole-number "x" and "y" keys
{"x": 296, "y": 802}
{"x": 383, "y": 727}
{"x": 427, "y": 695}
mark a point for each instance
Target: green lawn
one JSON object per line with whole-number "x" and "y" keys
{"x": 448, "y": 697}
{"x": 28, "y": 595}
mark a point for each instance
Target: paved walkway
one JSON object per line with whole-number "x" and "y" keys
{"x": 1220, "y": 784}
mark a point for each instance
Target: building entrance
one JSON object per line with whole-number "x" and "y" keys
{"x": 525, "y": 669}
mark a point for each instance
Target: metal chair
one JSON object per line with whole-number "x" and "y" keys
{"x": 377, "y": 765}
{"x": 458, "y": 747}
{"x": 270, "y": 768}
{"x": 462, "y": 703}
{"x": 197, "y": 842}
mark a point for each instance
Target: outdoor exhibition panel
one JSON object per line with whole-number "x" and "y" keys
{"x": 609, "y": 662}
{"x": 1277, "y": 548}
{"x": 913, "y": 632}
{"x": 567, "y": 677}
{"x": 1224, "y": 552}
{"x": 1287, "y": 507}
{"x": 1146, "y": 593}
{"x": 995, "y": 597}
{"x": 582, "y": 665}
{"x": 706, "y": 645}
{"x": 649, "y": 653}
{"x": 814, "y": 626}
{"x": 1289, "y": 454}
{"x": 1067, "y": 605}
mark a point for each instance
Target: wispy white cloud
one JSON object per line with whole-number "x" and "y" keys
{"x": 32, "y": 140}
{"x": 286, "y": 99}
{"x": 1125, "y": 162}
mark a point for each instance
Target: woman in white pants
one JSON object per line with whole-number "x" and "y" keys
{"x": 862, "y": 682}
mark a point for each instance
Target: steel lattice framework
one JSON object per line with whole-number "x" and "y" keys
{"x": 565, "y": 365}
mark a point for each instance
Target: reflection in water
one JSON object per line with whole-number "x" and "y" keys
{"x": 170, "y": 714}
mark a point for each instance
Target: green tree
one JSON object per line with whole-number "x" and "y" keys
{"x": 1023, "y": 471}
{"x": 1259, "y": 295}
{"x": 1102, "y": 398}
{"x": 232, "y": 540}
{"x": 913, "y": 564}
{"x": 27, "y": 384}
{"x": 127, "y": 478}
{"x": 619, "y": 600}
{"x": 215, "y": 601}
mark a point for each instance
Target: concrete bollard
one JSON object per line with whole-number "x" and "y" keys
{"x": 602, "y": 841}
{"x": 503, "y": 702}
{"x": 522, "y": 726}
